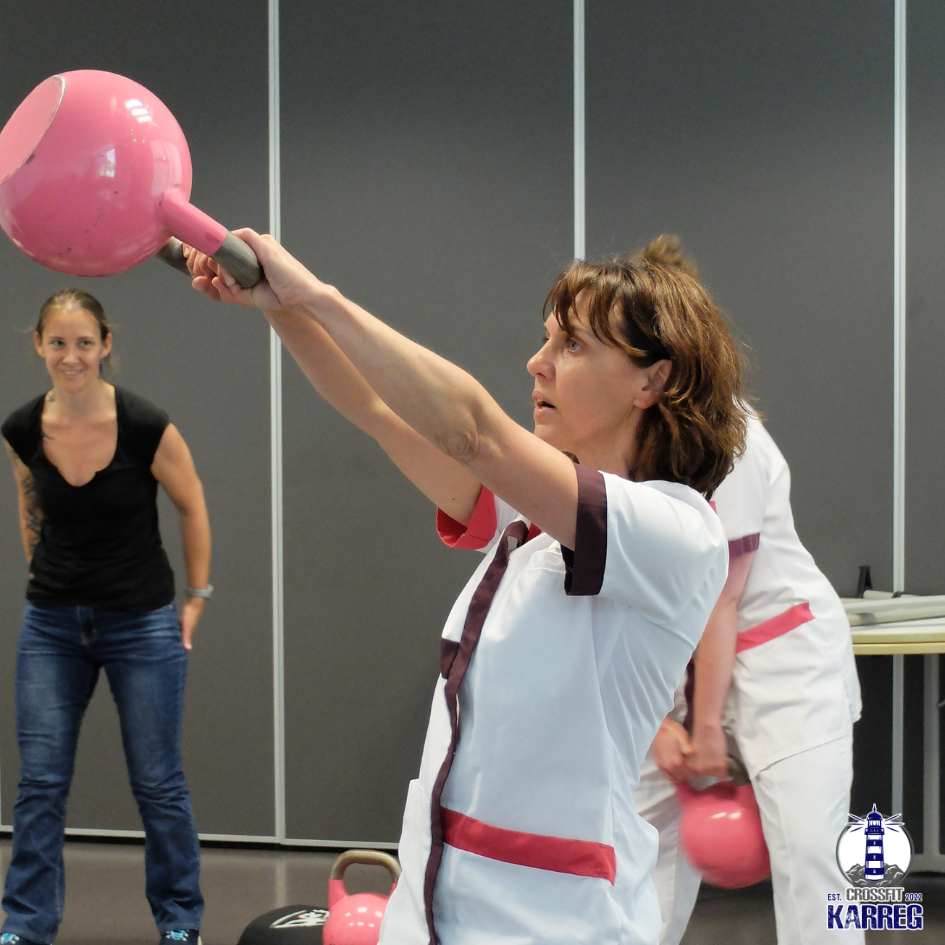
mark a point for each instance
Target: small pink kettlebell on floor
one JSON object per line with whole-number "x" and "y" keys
{"x": 356, "y": 920}
{"x": 720, "y": 830}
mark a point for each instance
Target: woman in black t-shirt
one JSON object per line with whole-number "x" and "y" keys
{"x": 88, "y": 458}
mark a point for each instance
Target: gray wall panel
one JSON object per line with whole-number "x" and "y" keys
{"x": 925, "y": 286}
{"x": 762, "y": 136}
{"x": 208, "y": 368}
{"x": 427, "y": 161}
{"x": 925, "y": 342}
{"x": 427, "y": 173}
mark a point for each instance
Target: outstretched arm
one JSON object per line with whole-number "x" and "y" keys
{"x": 438, "y": 400}
{"x": 445, "y": 482}
{"x": 715, "y": 662}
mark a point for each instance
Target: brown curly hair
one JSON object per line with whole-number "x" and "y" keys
{"x": 652, "y": 306}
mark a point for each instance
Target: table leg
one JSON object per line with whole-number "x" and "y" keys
{"x": 898, "y": 700}
{"x": 931, "y": 858}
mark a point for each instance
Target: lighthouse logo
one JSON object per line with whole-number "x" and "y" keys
{"x": 874, "y": 851}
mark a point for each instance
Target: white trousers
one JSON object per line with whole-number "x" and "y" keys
{"x": 804, "y": 802}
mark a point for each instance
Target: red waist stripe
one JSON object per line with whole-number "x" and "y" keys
{"x": 556, "y": 854}
{"x": 775, "y": 627}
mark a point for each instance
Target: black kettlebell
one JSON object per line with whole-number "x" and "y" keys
{"x": 288, "y": 925}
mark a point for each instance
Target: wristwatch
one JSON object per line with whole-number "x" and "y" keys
{"x": 205, "y": 592}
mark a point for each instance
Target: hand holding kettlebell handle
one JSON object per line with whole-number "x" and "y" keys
{"x": 234, "y": 255}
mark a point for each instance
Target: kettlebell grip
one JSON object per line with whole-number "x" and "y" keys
{"x": 365, "y": 858}
{"x": 737, "y": 771}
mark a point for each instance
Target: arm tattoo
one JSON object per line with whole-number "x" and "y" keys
{"x": 33, "y": 519}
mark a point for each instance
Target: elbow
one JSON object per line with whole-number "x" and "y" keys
{"x": 463, "y": 444}
{"x": 194, "y": 509}
{"x": 468, "y": 433}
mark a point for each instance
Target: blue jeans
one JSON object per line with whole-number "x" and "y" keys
{"x": 61, "y": 650}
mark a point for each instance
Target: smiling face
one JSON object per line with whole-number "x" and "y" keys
{"x": 589, "y": 396}
{"x": 71, "y": 344}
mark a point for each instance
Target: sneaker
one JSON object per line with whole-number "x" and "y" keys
{"x": 188, "y": 936}
{"x": 11, "y": 938}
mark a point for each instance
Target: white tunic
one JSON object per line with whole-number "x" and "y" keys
{"x": 561, "y": 701}
{"x": 795, "y": 684}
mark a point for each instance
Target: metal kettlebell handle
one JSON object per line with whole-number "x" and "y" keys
{"x": 738, "y": 771}
{"x": 365, "y": 858}
{"x": 234, "y": 255}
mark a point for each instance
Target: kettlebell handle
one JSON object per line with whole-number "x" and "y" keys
{"x": 737, "y": 771}
{"x": 234, "y": 255}
{"x": 365, "y": 858}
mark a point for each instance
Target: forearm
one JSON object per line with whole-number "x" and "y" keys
{"x": 335, "y": 378}
{"x": 330, "y": 372}
{"x": 715, "y": 663}
{"x": 439, "y": 400}
{"x": 31, "y": 522}
{"x": 195, "y": 536}
{"x": 30, "y": 540}
{"x": 393, "y": 389}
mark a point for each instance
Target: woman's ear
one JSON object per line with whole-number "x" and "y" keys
{"x": 656, "y": 381}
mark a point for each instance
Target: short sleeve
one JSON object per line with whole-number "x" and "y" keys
{"x": 21, "y": 429}
{"x": 144, "y": 425}
{"x": 489, "y": 519}
{"x": 653, "y": 546}
{"x": 587, "y": 563}
{"x": 741, "y": 499}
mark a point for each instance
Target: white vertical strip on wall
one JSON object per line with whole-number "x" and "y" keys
{"x": 579, "y": 183}
{"x": 899, "y": 383}
{"x": 275, "y": 420}
{"x": 899, "y": 306}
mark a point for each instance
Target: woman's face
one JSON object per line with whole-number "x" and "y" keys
{"x": 72, "y": 347}
{"x": 589, "y": 396}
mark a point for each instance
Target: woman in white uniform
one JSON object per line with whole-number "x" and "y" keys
{"x": 775, "y": 669}
{"x": 602, "y": 561}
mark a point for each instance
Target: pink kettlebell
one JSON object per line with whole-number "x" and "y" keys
{"x": 356, "y": 920}
{"x": 95, "y": 177}
{"x": 720, "y": 830}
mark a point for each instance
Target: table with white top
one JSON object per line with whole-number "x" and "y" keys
{"x": 897, "y": 639}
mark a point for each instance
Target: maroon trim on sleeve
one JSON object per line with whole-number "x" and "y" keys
{"x": 746, "y": 545}
{"x": 480, "y": 530}
{"x": 585, "y": 565}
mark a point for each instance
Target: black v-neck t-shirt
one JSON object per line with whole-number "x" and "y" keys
{"x": 99, "y": 543}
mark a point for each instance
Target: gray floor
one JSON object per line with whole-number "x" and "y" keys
{"x": 105, "y": 897}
